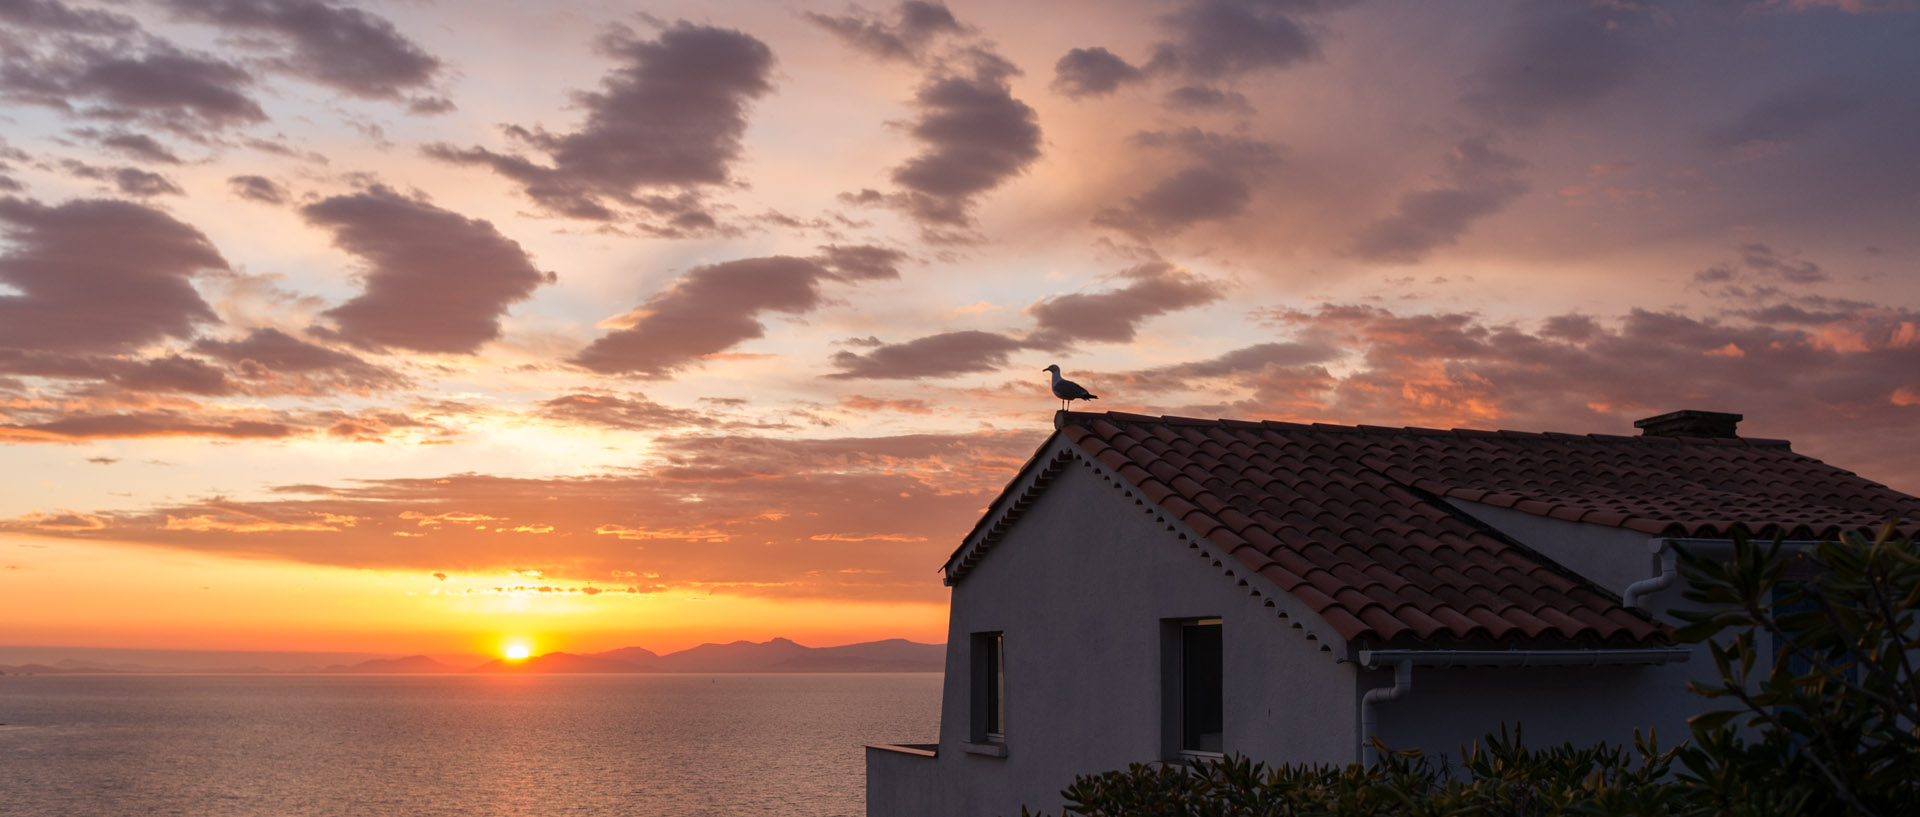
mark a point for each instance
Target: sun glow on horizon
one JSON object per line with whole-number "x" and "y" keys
{"x": 517, "y": 651}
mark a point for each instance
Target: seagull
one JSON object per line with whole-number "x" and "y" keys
{"x": 1067, "y": 390}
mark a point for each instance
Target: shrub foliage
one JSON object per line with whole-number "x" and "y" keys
{"x": 1815, "y": 652}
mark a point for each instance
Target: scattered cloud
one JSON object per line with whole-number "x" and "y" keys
{"x": 1556, "y": 56}
{"x": 436, "y": 281}
{"x": 58, "y": 522}
{"x": 1060, "y": 322}
{"x": 942, "y": 355}
{"x": 863, "y": 404}
{"x": 1215, "y": 184}
{"x": 655, "y": 534}
{"x": 232, "y": 519}
{"x": 458, "y": 518}
{"x": 1759, "y": 272}
{"x": 165, "y": 373}
{"x": 862, "y": 262}
{"x": 1199, "y": 98}
{"x": 714, "y": 307}
{"x": 80, "y": 294}
{"x": 373, "y": 426}
{"x": 632, "y": 413}
{"x": 1113, "y": 316}
{"x": 1212, "y": 39}
{"x": 1086, "y": 72}
{"x": 1479, "y": 180}
{"x": 77, "y": 427}
{"x": 133, "y": 145}
{"x": 351, "y": 50}
{"x": 914, "y": 26}
{"x": 130, "y": 181}
{"x": 155, "y": 84}
{"x": 278, "y": 362}
{"x": 864, "y": 537}
{"x": 665, "y": 124}
{"x": 1788, "y": 268}
{"x": 258, "y": 188}
{"x": 975, "y": 136}
{"x": 170, "y": 373}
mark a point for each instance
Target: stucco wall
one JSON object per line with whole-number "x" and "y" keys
{"x": 1451, "y": 708}
{"x": 903, "y": 782}
{"x": 1080, "y": 587}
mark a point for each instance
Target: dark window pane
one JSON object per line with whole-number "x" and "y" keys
{"x": 1201, "y": 716}
{"x": 988, "y": 679}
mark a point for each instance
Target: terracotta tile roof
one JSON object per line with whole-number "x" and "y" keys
{"x": 1350, "y": 520}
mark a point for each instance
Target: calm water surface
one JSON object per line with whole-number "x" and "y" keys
{"x": 399, "y": 746}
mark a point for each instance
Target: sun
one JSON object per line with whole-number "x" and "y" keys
{"x": 517, "y": 651}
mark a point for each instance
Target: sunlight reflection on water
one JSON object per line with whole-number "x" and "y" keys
{"x": 394, "y": 746}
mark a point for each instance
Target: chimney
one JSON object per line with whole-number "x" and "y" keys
{"x": 1690, "y": 423}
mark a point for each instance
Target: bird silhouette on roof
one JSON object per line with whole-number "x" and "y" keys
{"x": 1067, "y": 390}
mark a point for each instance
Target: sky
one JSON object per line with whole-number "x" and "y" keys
{"x": 428, "y": 326}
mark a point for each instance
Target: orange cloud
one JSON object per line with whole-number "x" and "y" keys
{"x": 242, "y": 522}
{"x": 435, "y": 520}
{"x": 874, "y": 537}
{"x": 866, "y": 405}
{"x": 64, "y": 521}
{"x": 1839, "y": 339}
{"x": 645, "y": 534}
{"x": 153, "y": 424}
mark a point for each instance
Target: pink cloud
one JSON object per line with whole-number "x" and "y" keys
{"x": 80, "y": 294}
{"x": 437, "y": 281}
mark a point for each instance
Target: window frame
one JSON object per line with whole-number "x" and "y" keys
{"x": 988, "y": 688}
{"x": 1177, "y": 677}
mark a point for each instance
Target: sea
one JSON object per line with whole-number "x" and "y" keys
{"x": 470, "y": 745}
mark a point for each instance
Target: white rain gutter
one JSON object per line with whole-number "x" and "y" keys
{"x": 1403, "y": 662}
{"x": 1635, "y": 595}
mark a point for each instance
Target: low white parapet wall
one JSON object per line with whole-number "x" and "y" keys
{"x": 903, "y": 780}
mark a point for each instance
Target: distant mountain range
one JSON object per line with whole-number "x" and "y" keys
{"x": 778, "y": 655}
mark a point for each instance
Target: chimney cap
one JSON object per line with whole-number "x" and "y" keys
{"x": 1690, "y": 423}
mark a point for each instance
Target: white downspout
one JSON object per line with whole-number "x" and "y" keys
{"x": 1636, "y": 593}
{"x": 1402, "y": 684}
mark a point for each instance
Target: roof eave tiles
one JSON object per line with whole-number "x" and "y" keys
{"x": 1351, "y": 522}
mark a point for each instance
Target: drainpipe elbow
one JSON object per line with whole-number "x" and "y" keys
{"x": 1369, "y": 719}
{"x": 1636, "y": 594}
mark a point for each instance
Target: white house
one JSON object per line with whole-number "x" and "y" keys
{"x": 1158, "y": 588}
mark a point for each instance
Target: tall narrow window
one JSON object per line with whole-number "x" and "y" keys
{"x": 989, "y": 687}
{"x": 1201, "y": 698}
